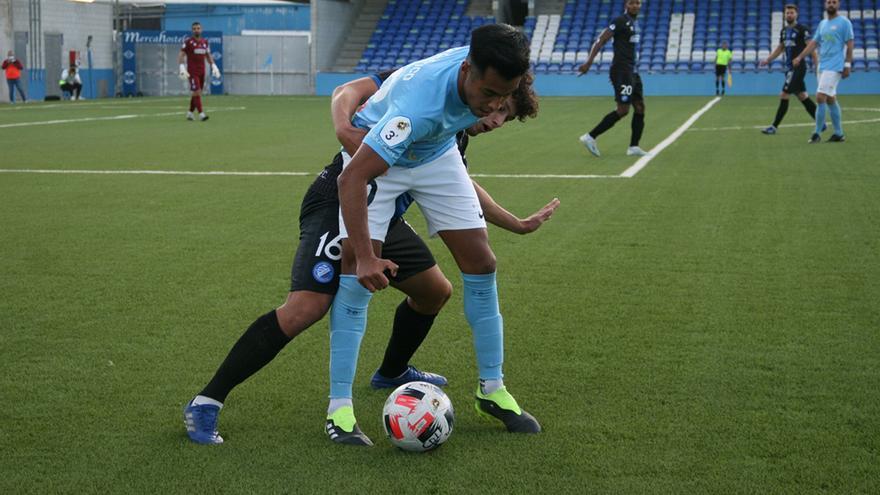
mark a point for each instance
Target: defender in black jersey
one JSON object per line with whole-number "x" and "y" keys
{"x": 315, "y": 271}
{"x": 624, "y": 78}
{"x": 793, "y": 38}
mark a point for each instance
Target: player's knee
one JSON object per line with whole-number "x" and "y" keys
{"x": 302, "y": 310}
{"x": 622, "y": 110}
{"x": 433, "y": 301}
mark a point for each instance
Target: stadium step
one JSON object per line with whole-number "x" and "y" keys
{"x": 480, "y": 8}
{"x": 359, "y": 35}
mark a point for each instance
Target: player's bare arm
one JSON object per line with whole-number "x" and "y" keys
{"x": 775, "y": 53}
{"x": 597, "y": 47}
{"x": 365, "y": 166}
{"x": 847, "y": 67}
{"x": 808, "y": 50}
{"x": 215, "y": 71}
{"x": 343, "y": 104}
{"x": 500, "y": 217}
{"x": 181, "y": 61}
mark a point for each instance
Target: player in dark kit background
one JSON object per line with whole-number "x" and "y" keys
{"x": 793, "y": 38}
{"x": 196, "y": 51}
{"x": 624, "y": 78}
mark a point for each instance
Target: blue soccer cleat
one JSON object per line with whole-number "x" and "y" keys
{"x": 201, "y": 423}
{"x": 770, "y": 130}
{"x": 410, "y": 375}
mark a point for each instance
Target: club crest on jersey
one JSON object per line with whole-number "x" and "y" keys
{"x": 323, "y": 272}
{"x": 396, "y": 131}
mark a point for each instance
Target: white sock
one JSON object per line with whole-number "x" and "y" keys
{"x": 336, "y": 404}
{"x": 201, "y": 400}
{"x": 489, "y": 386}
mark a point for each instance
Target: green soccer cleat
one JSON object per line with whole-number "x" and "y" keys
{"x": 503, "y": 407}
{"x": 342, "y": 428}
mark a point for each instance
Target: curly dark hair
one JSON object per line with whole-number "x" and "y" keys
{"x": 525, "y": 98}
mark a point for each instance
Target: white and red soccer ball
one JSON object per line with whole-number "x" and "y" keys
{"x": 418, "y": 417}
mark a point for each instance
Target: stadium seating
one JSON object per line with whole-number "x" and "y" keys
{"x": 677, "y": 35}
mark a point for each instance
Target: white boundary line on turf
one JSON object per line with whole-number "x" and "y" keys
{"x": 643, "y": 161}
{"x": 751, "y": 127}
{"x": 113, "y": 117}
{"x": 269, "y": 174}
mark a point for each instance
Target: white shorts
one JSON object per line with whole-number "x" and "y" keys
{"x": 828, "y": 81}
{"x": 442, "y": 189}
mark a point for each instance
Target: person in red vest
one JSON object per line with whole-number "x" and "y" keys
{"x": 12, "y": 67}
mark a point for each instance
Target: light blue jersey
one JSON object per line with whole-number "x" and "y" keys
{"x": 414, "y": 116}
{"x": 832, "y": 36}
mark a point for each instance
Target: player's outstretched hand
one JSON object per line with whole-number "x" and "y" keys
{"x": 215, "y": 71}
{"x": 764, "y": 62}
{"x": 371, "y": 273}
{"x": 534, "y": 222}
{"x": 584, "y": 68}
{"x": 351, "y": 138}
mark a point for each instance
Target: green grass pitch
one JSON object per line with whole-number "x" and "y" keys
{"x": 709, "y": 325}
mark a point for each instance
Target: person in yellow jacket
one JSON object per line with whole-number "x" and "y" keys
{"x": 722, "y": 62}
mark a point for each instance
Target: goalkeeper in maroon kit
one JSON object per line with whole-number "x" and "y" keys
{"x": 196, "y": 51}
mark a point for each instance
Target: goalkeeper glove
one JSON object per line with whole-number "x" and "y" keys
{"x": 183, "y": 74}
{"x": 215, "y": 71}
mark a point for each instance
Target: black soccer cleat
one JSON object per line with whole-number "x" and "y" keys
{"x": 815, "y": 138}
{"x": 503, "y": 407}
{"x": 204, "y": 118}
{"x": 837, "y": 138}
{"x": 336, "y": 428}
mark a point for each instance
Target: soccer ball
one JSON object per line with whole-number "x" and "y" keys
{"x": 418, "y": 417}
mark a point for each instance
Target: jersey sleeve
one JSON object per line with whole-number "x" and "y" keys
{"x": 395, "y": 132}
{"x": 816, "y": 34}
{"x": 849, "y": 35}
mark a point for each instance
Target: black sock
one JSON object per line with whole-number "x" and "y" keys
{"x": 410, "y": 330}
{"x": 607, "y": 123}
{"x": 780, "y": 112}
{"x": 811, "y": 107}
{"x": 259, "y": 344}
{"x": 638, "y": 125}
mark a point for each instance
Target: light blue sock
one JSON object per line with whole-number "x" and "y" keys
{"x": 834, "y": 110}
{"x": 348, "y": 321}
{"x": 484, "y": 317}
{"x": 820, "y": 116}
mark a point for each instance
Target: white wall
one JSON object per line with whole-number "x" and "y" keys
{"x": 331, "y": 21}
{"x": 76, "y": 21}
{"x": 5, "y": 41}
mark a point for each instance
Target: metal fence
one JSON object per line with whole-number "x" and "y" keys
{"x": 252, "y": 65}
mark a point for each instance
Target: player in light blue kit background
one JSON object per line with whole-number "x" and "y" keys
{"x": 410, "y": 148}
{"x": 834, "y": 37}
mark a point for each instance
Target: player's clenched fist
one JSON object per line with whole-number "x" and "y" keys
{"x": 371, "y": 273}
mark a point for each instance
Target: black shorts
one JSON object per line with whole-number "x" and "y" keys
{"x": 317, "y": 262}
{"x": 627, "y": 86}
{"x": 720, "y": 70}
{"x": 794, "y": 80}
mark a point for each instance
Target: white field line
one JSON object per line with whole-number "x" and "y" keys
{"x": 114, "y": 117}
{"x": 645, "y": 160}
{"x": 268, "y": 174}
{"x": 752, "y": 127}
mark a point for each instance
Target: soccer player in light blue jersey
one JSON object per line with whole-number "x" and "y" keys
{"x": 834, "y": 37}
{"x": 410, "y": 148}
